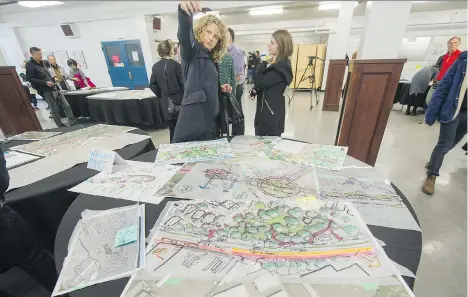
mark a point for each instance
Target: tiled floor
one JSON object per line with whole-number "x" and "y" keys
{"x": 405, "y": 149}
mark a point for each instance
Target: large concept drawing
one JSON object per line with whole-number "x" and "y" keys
{"x": 196, "y": 151}
{"x": 93, "y": 257}
{"x": 247, "y": 180}
{"x": 266, "y": 229}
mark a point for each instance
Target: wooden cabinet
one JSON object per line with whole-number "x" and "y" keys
{"x": 367, "y": 106}
{"x": 335, "y": 77}
{"x": 16, "y": 113}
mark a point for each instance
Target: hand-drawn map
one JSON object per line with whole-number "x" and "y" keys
{"x": 34, "y": 135}
{"x": 169, "y": 267}
{"x": 139, "y": 181}
{"x": 317, "y": 155}
{"x": 251, "y": 146}
{"x": 14, "y": 159}
{"x": 196, "y": 151}
{"x": 75, "y": 139}
{"x": 261, "y": 179}
{"x": 265, "y": 229}
{"x": 93, "y": 257}
{"x": 376, "y": 200}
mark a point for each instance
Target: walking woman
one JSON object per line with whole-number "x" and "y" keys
{"x": 271, "y": 80}
{"x": 167, "y": 84}
{"x": 201, "y": 47}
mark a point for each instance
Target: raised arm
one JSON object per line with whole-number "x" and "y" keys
{"x": 185, "y": 32}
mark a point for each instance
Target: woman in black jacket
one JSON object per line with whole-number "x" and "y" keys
{"x": 270, "y": 83}
{"x": 201, "y": 47}
{"x": 167, "y": 84}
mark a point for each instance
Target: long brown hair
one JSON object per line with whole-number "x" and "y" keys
{"x": 285, "y": 44}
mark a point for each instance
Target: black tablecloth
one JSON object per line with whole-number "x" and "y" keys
{"x": 402, "y": 94}
{"x": 146, "y": 113}
{"x": 78, "y": 104}
{"x": 403, "y": 246}
{"x": 44, "y": 203}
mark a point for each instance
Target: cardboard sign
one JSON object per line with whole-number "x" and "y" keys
{"x": 104, "y": 160}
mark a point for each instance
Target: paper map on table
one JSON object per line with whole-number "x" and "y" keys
{"x": 251, "y": 146}
{"x": 265, "y": 229}
{"x": 34, "y": 135}
{"x": 140, "y": 287}
{"x": 169, "y": 267}
{"x": 317, "y": 155}
{"x": 71, "y": 140}
{"x": 261, "y": 179}
{"x": 197, "y": 151}
{"x": 376, "y": 200}
{"x": 14, "y": 159}
{"x": 67, "y": 158}
{"x": 93, "y": 257}
{"x": 166, "y": 189}
{"x": 139, "y": 181}
{"x": 124, "y": 95}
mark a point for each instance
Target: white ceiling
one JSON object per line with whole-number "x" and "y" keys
{"x": 15, "y": 8}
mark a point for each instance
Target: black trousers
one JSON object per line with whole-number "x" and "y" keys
{"x": 18, "y": 248}
{"x": 239, "y": 128}
{"x": 171, "y": 124}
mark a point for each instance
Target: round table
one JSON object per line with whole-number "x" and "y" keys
{"x": 147, "y": 112}
{"x": 402, "y": 246}
{"x": 79, "y": 103}
{"x": 44, "y": 203}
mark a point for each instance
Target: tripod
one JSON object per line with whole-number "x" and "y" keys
{"x": 310, "y": 69}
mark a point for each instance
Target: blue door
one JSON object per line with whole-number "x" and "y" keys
{"x": 126, "y": 63}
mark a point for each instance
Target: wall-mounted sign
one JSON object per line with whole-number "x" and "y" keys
{"x": 116, "y": 59}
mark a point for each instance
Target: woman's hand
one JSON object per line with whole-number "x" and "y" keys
{"x": 226, "y": 88}
{"x": 76, "y": 79}
{"x": 190, "y": 7}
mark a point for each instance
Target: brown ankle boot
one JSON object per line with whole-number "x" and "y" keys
{"x": 429, "y": 185}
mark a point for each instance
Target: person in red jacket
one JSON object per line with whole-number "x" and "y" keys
{"x": 450, "y": 57}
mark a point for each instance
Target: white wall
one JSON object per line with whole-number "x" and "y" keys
{"x": 11, "y": 49}
{"x": 51, "y": 38}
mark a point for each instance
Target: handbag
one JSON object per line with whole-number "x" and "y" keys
{"x": 172, "y": 108}
{"x": 237, "y": 115}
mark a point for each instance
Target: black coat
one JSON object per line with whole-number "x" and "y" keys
{"x": 270, "y": 84}
{"x": 4, "y": 178}
{"x": 200, "y": 105}
{"x": 38, "y": 76}
{"x": 171, "y": 84}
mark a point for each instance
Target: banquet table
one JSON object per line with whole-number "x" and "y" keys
{"x": 402, "y": 246}
{"x": 44, "y": 203}
{"x": 139, "y": 108}
{"x": 79, "y": 103}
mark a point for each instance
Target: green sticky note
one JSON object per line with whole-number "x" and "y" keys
{"x": 173, "y": 281}
{"x": 126, "y": 235}
{"x": 370, "y": 286}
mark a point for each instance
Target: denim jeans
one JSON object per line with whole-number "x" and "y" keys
{"x": 55, "y": 98}
{"x": 450, "y": 135}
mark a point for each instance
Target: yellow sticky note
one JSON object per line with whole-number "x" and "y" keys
{"x": 418, "y": 66}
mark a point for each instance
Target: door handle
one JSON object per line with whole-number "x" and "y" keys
{"x": 130, "y": 75}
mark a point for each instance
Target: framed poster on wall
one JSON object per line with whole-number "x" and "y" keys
{"x": 62, "y": 58}
{"x": 78, "y": 56}
{"x": 46, "y": 54}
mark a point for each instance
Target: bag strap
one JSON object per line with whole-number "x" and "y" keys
{"x": 165, "y": 79}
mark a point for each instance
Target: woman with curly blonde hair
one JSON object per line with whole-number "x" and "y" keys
{"x": 201, "y": 47}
